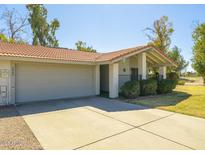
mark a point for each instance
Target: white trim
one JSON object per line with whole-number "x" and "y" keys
{"x": 153, "y": 59}
{"x": 144, "y": 50}
{"x": 165, "y": 57}
{"x": 131, "y": 54}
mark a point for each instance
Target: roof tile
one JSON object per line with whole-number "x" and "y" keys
{"x": 40, "y": 52}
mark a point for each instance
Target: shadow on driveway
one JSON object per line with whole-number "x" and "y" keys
{"x": 108, "y": 105}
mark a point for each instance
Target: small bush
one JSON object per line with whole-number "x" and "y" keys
{"x": 148, "y": 87}
{"x": 181, "y": 82}
{"x": 130, "y": 89}
{"x": 166, "y": 86}
{"x": 172, "y": 76}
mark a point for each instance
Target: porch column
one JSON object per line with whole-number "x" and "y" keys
{"x": 162, "y": 72}
{"x": 113, "y": 80}
{"x": 142, "y": 65}
{"x": 97, "y": 79}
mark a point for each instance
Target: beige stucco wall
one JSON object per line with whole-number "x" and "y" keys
{"x": 42, "y": 81}
{"x": 125, "y": 69}
{"x": 134, "y": 61}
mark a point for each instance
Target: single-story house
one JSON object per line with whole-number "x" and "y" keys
{"x": 35, "y": 73}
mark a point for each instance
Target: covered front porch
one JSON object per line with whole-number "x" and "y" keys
{"x": 134, "y": 66}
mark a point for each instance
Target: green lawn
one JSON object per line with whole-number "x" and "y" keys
{"x": 188, "y": 100}
{"x": 192, "y": 80}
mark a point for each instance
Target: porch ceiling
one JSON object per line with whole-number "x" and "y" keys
{"x": 156, "y": 60}
{"x": 154, "y": 56}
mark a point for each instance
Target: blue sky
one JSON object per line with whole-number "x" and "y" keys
{"x": 113, "y": 27}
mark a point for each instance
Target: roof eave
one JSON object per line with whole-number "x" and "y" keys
{"x": 144, "y": 49}
{"x": 44, "y": 60}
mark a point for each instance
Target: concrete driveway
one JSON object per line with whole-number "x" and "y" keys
{"x": 100, "y": 123}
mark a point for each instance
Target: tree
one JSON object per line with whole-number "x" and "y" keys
{"x": 175, "y": 55}
{"x": 44, "y": 33}
{"x": 3, "y": 38}
{"x": 160, "y": 33}
{"x": 198, "y": 60}
{"x": 52, "y": 33}
{"x": 15, "y": 25}
{"x": 81, "y": 46}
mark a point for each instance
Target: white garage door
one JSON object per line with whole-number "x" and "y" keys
{"x": 40, "y": 81}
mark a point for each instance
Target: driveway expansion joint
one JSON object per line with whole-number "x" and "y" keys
{"x": 111, "y": 117}
{"x": 129, "y": 123}
{"x": 134, "y": 127}
{"x": 166, "y": 138}
{"x": 104, "y": 138}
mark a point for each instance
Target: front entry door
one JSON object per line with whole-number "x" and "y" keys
{"x": 134, "y": 74}
{"x": 4, "y": 81}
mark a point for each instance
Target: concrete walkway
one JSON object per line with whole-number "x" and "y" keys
{"x": 100, "y": 123}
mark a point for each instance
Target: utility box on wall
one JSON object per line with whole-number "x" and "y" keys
{"x": 4, "y": 83}
{"x": 7, "y": 83}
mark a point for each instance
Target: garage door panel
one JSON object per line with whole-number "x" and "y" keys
{"x": 37, "y": 81}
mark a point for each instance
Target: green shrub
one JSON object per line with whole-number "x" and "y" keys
{"x": 172, "y": 76}
{"x": 130, "y": 89}
{"x": 148, "y": 87}
{"x": 166, "y": 86}
{"x": 181, "y": 82}
{"x": 174, "y": 83}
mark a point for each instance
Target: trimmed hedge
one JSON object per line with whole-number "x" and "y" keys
{"x": 130, "y": 89}
{"x": 172, "y": 76}
{"x": 148, "y": 87}
{"x": 166, "y": 86}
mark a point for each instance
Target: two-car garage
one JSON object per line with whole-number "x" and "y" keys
{"x": 45, "y": 81}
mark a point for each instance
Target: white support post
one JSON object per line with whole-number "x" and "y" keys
{"x": 142, "y": 65}
{"x": 162, "y": 72}
{"x": 113, "y": 80}
{"x": 97, "y": 79}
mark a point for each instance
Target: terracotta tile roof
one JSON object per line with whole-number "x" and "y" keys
{"x": 29, "y": 51}
{"x": 117, "y": 54}
{"x": 40, "y": 52}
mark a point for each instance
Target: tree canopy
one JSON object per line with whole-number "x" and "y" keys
{"x": 176, "y": 56}
{"x": 44, "y": 33}
{"x": 13, "y": 26}
{"x": 3, "y": 38}
{"x": 198, "y": 60}
{"x": 160, "y": 36}
{"x": 160, "y": 33}
{"x": 82, "y": 46}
